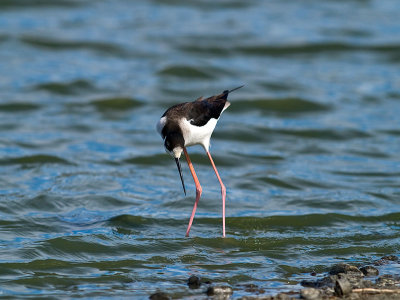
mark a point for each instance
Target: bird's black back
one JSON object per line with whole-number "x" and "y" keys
{"x": 203, "y": 110}
{"x": 199, "y": 112}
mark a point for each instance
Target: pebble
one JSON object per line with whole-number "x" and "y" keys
{"x": 310, "y": 294}
{"x": 282, "y": 296}
{"x": 220, "y": 291}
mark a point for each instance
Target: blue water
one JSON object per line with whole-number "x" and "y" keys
{"x": 92, "y": 207}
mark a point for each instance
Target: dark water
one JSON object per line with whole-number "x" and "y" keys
{"x": 92, "y": 207}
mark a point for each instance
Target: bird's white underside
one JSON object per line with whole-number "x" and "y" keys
{"x": 194, "y": 135}
{"x": 199, "y": 135}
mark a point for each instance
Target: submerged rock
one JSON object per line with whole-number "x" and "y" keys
{"x": 369, "y": 271}
{"x": 194, "y": 282}
{"x": 251, "y": 288}
{"x": 159, "y": 296}
{"x": 344, "y": 268}
{"x": 327, "y": 281}
{"x": 386, "y": 260}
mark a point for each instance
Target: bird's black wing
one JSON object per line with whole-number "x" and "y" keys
{"x": 201, "y": 111}
{"x": 173, "y": 109}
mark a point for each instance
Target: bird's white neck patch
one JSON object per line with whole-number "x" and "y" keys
{"x": 177, "y": 152}
{"x": 227, "y": 104}
{"x": 161, "y": 124}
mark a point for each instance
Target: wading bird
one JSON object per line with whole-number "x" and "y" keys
{"x": 192, "y": 123}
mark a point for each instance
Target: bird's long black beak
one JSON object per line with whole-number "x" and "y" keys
{"x": 236, "y": 88}
{"x": 178, "y": 164}
{"x": 227, "y": 92}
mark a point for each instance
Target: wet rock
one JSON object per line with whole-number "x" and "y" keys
{"x": 194, "y": 282}
{"x": 250, "y": 288}
{"x": 344, "y": 268}
{"x": 386, "y": 260}
{"x": 390, "y": 257}
{"x": 159, "y": 296}
{"x": 369, "y": 271}
{"x": 280, "y": 296}
{"x": 343, "y": 281}
{"x": 348, "y": 282}
{"x": 220, "y": 291}
{"x": 351, "y": 273}
{"x": 328, "y": 281}
{"x": 253, "y": 288}
{"x": 310, "y": 294}
{"x": 388, "y": 280}
{"x": 342, "y": 286}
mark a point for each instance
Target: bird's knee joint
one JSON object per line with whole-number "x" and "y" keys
{"x": 199, "y": 190}
{"x": 223, "y": 189}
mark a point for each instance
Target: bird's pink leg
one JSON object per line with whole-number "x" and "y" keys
{"x": 223, "y": 192}
{"x": 198, "y": 189}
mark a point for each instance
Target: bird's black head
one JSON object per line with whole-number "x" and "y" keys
{"x": 174, "y": 144}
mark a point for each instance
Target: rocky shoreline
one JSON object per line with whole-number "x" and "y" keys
{"x": 343, "y": 281}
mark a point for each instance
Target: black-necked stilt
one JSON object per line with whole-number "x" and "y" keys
{"x": 192, "y": 123}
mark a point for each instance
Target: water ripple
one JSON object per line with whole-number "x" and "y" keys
{"x": 90, "y": 204}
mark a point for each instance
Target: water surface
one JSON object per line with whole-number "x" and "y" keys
{"x": 90, "y": 204}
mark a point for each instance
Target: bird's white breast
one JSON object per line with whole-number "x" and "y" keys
{"x": 194, "y": 135}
